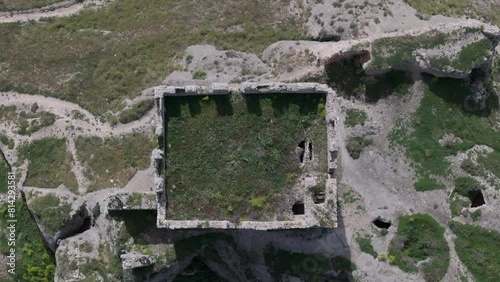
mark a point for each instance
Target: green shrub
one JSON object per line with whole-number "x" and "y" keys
{"x": 365, "y": 244}
{"x": 137, "y": 111}
{"x": 355, "y": 117}
{"x": 475, "y": 215}
{"x": 356, "y": 145}
{"x": 465, "y": 186}
{"x": 420, "y": 237}
{"x": 199, "y": 74}
{"x": 478, "y": 249}
{"x": 258, "y": 203}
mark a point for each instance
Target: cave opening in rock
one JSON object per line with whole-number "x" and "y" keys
{"x": 310, "y": 150}
{"x": 477, "y": 199}
{"x": 381, "y": 223}
{"x": 298, "y": 208}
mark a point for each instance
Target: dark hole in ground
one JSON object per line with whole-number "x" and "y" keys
{"x": 477, "y": 199}
{"x": 298, "y": 208}
{"x": 380, "y": 223}
{"x": 310, "y": 150}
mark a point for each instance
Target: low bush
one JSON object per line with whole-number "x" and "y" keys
{"x": 356, "y": 145}
{"x": 355, "y": 117}
{"x": 478, "y": 248}
{"x": 420, "y": 238}
{"x": 365, "y": 244}
{"x": 137, "y": 111}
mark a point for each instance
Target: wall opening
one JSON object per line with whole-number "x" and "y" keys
{"x": 310, "y": 151}
{"x": 302, "y": 147}
{"x": 298, "y": 208}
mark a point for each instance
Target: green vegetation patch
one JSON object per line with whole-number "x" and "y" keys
{"x": 4, "y": 170}
{"x": 489, "y": 10}
{"x": 27, "y": 122}
{"x": 465, "y": 186}
{"x": 125, "y": 47}
{"x": 420, "y": 237}
{"x": 6, "y": 140}
{"x": 137, "y": 111}
{"x": 34, "y": 261}
{"x": 309, "y": 267}
{"x": 365, "y": 244}
{"x": 49, "y": 163}
{"x": 355, "y": 117}
{"x": 478, "y": 249}
{"x": 491, "y": 162}
{"x": 356, "y": 145}
{"x": 391, "y": 51}
{"x": 469, "y": 57}
{"x": 18, "y": 5}
{"x": 51, "y": 211}
{"x": 32, "y": 122}
{"x": 443, "y": 110}
{"x": 111, "y": 162}
{"x": 237, "y": 157}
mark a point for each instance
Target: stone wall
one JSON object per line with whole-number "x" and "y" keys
{"x": 316, "y": 215}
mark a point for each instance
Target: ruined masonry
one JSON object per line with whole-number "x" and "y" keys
{"x": 312, "y": 211}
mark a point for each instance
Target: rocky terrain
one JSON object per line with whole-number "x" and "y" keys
{"x": 417, "y": 124}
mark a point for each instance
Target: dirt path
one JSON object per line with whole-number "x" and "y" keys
{"x": 63, "y": 9}
{"x": 68, "y": 125}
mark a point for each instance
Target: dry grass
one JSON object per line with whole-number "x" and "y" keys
{"x": 100, "y": 57}
{"x": 49, "y": 163}
{"x": 113, "y": 161}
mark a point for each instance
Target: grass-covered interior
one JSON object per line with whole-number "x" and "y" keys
{"x": 130, "y": 45}
{"x": 235, "y": 157}
{"x": 444, "y": 109}
{"x": 309, "y": 267}
{"x": 478, "y": 249}
{"x": 49, "y": 163}
{"x": 420, "y": 237}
